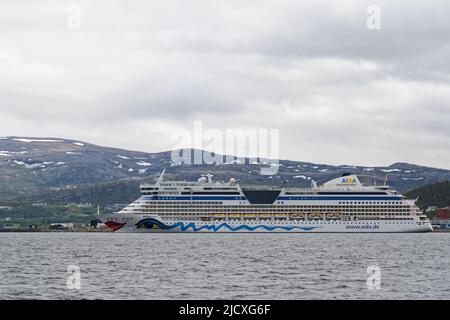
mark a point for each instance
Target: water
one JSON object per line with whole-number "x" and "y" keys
{"x": 224, "y": 266}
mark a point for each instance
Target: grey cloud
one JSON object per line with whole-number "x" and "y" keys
{"x": 312, "y": 69}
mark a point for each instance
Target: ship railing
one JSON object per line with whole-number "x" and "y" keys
{"x": 260, "y": 187}
{"x": 185, "y": 184}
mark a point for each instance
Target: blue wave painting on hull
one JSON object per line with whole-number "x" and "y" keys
{"x": 151, "y": 223}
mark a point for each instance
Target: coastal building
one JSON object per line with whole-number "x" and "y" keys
{"x": 40, "y": 204}
{"x": 61, "y": 226}
{"x": 9, "y": 225}
{"x": 79, "y": 205}
{"x": 95, "y": 223}
{"x": 442, "y": 218}
{"x": 116, "y": 206}
{"x": 430, "y": 209}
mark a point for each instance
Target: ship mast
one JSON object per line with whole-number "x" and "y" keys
{"x": 161, "y": 177}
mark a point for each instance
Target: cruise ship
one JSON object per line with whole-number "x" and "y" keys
{"x": 347, "y": 204}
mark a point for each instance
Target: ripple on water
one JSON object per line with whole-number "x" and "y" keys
{"x": 224, "y": 266}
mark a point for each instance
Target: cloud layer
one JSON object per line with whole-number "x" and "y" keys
{"x": 133, "y": 73}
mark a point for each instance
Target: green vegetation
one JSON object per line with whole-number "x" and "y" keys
{"x": 123, "y": 191}
{"x": 435, "y": 194}
{"x": 43, "y": 216}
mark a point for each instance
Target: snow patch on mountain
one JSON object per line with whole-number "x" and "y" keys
{"x": 36, "y": 140}
{"x": 391, "y": 170}
{"x": 143, "y": 163}
{"x": 9, "y": 153}
{"x": 32, "y": 165}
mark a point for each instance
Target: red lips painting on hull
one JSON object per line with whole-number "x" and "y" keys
{"x": 114, "y": 225}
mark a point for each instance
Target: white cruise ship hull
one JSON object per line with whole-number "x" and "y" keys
{"x": 155, "y": 224}
{"x": 341, "y": 205}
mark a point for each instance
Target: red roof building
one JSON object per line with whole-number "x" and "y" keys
{"x": 443, "y": 213}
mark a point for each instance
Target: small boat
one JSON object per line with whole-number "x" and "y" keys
{"x": 296, "y": 215}
{"x": 234, "y": 215}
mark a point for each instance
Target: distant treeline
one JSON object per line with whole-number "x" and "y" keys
{"x": 435, "y": 194}
{"x": 106, "y": 193}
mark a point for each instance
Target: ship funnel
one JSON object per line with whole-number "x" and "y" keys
{"x": 209, "y": 177}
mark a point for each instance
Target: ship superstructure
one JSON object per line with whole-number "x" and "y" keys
{"x": 349, "y": 203}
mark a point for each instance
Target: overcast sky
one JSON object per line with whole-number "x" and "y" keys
{"x": 133, "y": 73}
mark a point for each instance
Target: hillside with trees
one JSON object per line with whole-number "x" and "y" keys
{"x": 434, "y": 194}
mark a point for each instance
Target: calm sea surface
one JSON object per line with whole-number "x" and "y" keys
{"x": 224, "y": 266}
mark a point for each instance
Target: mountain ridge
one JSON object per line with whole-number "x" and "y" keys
{"x": 170, "y": 151}
{"x": 35, "y": 166}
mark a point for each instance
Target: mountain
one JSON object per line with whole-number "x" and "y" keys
{"x": 435, "y": 194}
{"x": 37, "y": 164}
{"x": 63, "y": 170}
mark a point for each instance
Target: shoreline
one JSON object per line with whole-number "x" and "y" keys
{"x": 53, "y": 230}
{"x": 80, "y": 230}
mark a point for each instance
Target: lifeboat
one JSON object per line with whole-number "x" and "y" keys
{"x": 279, "y": 216}
{"x": 296, "y": 215}
{"x": 265, "y": 216}
{"x": 249, "y": 215}
{"x": 234, "y": 215}
{"x": 218, "y": 216}
{"x": 315, "y": 215}
{"x": 333, "y": 215}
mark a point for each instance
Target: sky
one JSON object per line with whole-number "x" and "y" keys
{"x": 129, "y": 74}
